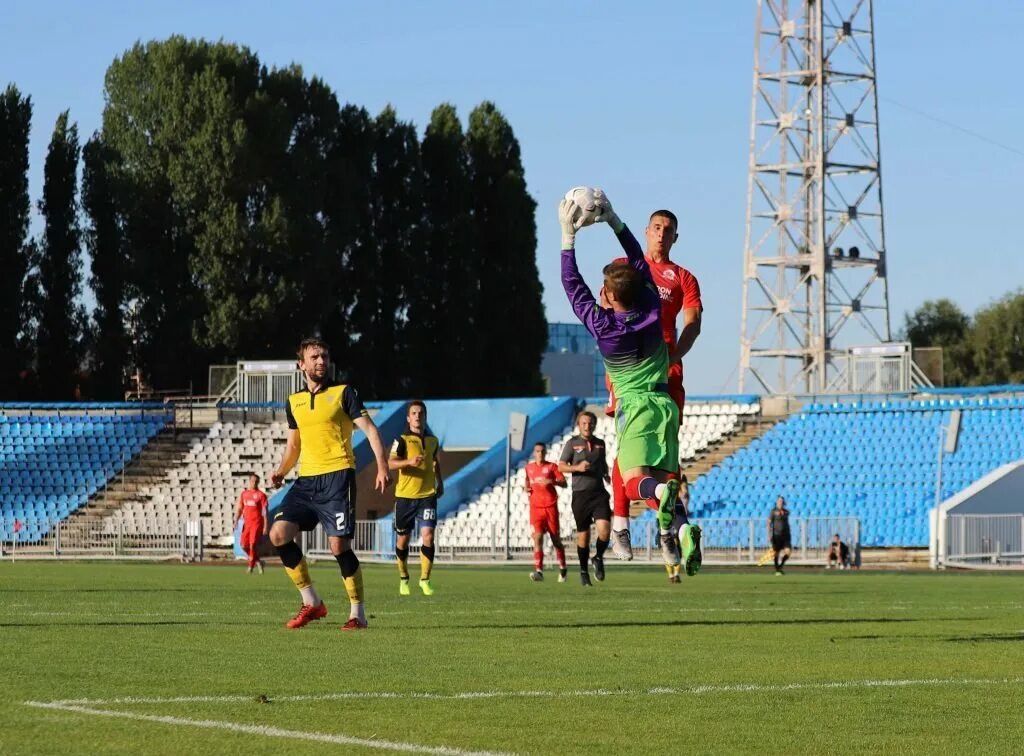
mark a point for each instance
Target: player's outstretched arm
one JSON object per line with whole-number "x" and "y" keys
{"x": 634, "y": 252}
{"x": 366, "y": 425}
{"x": 291, "y": 456}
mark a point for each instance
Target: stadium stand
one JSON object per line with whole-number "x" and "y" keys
{"x": 207, "y": 483}
{"x": 877, "y": 461}
{"x": 53, "y": 463}
{"x": 480, "y": 520}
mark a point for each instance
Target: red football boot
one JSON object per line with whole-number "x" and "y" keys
{"x": 306, "y": 615}
{"x": 354, "y": 623}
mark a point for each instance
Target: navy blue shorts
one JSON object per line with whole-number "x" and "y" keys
{"x": 329, "y": 499}
{"x": 408, "y": 511}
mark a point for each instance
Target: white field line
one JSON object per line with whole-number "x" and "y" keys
{"x": 696, "y": 690}
{"x": 266, "y": 731}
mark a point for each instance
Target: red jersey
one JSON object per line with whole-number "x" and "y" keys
{"x": 678, "y": 289}
{"x": 543, "y": 496}
{"x": 253, "y": 503}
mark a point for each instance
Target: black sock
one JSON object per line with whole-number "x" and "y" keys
{"x": 348, "y": 562}
{"x": 428, "y": 552}
{"x": 784, "y": 558}
{"x": 583, "y": 552}
{"x": 290, "y": 554}
{"x": 776, "y": 557}
{"x": 402, "y": 554}
{"x": 681, "y": 512}
{"x": 600, "y": 547}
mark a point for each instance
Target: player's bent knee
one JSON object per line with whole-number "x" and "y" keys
{"x": 339, "y": 545}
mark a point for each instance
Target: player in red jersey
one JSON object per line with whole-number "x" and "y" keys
{"x": 679, "y": 292}
{"x": 252, "y": 510}
{"x": 541, "y": 479}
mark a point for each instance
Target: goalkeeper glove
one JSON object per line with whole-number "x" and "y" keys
{"x": 567, "y": 211}
{"x": 605, "y": 212}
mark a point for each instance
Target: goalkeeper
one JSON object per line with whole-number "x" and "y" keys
{"x": 627, "y": 326}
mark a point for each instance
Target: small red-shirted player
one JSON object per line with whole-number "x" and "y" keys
{"x": 252, "y": 510}
{"x": 541, "y": 479}
{"x": 679, "y": 292}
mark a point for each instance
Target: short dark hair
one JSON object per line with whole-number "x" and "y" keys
{"x": 587, "y": 413}
{"x": 541, "y": 444}
{"x": 624, "y": 281}
{"x": 309, "y": 342}
{"x": 665, "y": 214}
{"x": 416, "y": 403}
{"x": 254, "y": 475}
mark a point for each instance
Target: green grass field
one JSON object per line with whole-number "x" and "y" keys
{"x": 173, "y": 659}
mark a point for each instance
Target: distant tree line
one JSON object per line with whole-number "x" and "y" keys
{"x": 227, "y": 209}
{"x": 980, "y": 350}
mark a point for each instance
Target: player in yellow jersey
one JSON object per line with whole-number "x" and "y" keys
{"x": 415, "y": 456}
{"x": 321, "y": 419}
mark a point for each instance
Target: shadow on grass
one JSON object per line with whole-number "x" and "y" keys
{"x": 123, "y": 623}
{"x": 679, "y": 623}
{"x": 1019, "y": 637}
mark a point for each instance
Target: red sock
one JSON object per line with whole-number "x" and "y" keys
{"x": 252, "y": 556}
{"x": 560, "y": 555}
{"x": 538, "y": 561}
{"x": 642, "y": 488}
{"x": 620, "y": 502}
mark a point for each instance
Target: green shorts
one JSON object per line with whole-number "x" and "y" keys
{"x": 648, "y": 432}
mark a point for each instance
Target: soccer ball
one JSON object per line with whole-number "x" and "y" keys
{"x": 584, "y": 198}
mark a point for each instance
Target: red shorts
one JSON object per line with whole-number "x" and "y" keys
{"x": 544, "y": 520}
{"x": 251, "y": 534}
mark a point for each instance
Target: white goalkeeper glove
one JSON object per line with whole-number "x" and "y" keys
{"x": 567, "y": 214}
{"x": 606, "y": 213}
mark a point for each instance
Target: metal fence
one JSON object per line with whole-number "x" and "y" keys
{"x": 984, "y": 540}
{"x": 725, "y": 541}
{"x": 101, "y": 538}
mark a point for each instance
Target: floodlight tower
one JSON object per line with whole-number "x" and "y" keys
{"x": 814, "y": 275}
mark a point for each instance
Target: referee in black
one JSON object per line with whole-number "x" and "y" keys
{"x": 583, "y": 456}
{"x": 779, "y": 534}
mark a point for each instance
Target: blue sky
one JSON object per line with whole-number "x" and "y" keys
{"x": 649, "y": 100}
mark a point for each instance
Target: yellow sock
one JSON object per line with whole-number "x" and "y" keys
{"x": 354, "y": 586}
{"x": 403, "y": 567}
{"x": 300, "y": 575}
{"x": 675, "y": 569}
{"x": 668, "y": 569}
{"x": 426, "y": 563}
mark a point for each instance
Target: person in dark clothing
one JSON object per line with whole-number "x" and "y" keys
{"x": 779, "y": 535}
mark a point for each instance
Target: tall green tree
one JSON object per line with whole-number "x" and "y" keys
{"x": 15, "y": 123}
{"x": 444, "y": 299}
{"x": 108, "y": 337}
{"x": 60, "y": 316}
{"x": 941, "y": 323}
{"x": 997, "y": 342}
{"x": 510, "y": 315}
{"x": 381, "y": 269}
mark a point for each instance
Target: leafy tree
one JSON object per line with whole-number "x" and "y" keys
{"x": 15, "y": 123}
{"x": 510, "y": 315}
{"x": 59, "y": 315}
{"x": 443, "y": 301}
{"x": 109, "y": 345}
{"x": 997, "y": 342}
{"x": 941, "y": 323}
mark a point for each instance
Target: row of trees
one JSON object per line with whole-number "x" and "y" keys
{"x": 230, "y": 209}
{"x": 980, "y": 350}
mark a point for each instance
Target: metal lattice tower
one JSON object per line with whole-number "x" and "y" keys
{"x": 814, "y": 276}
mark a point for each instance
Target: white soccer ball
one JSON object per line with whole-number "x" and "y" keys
{"x": 584, "y": 198}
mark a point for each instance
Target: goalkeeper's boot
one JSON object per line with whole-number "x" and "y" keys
{"x": 537, "y": 576}
{"x": 562, "y": 573}
{"x": 621, "y": 546}
{"x": 306, "y": 615}
{"x": 598, "y": 563}
{"x": 585, "y": 579}
{"x": 425, "y": 587}
{"x": 403, "y": 586}
{"x": 691, "y": 551}
{"x": 667, "y": 504}
{"x": 669, "y": 548}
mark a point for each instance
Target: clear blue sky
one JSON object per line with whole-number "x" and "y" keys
{"x": 649, "y": 100}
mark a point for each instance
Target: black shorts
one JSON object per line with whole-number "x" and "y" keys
{"x": 329, "y": 499}
{"x": 781, "y": 542}
{"x": 408, "y": 511}
{"x": 590, "y": 506}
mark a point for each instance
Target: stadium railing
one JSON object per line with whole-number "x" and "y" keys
{"x": 983, "y": 540}
{"x": 726, "y": 541}
{"x": 100, "y": 538}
